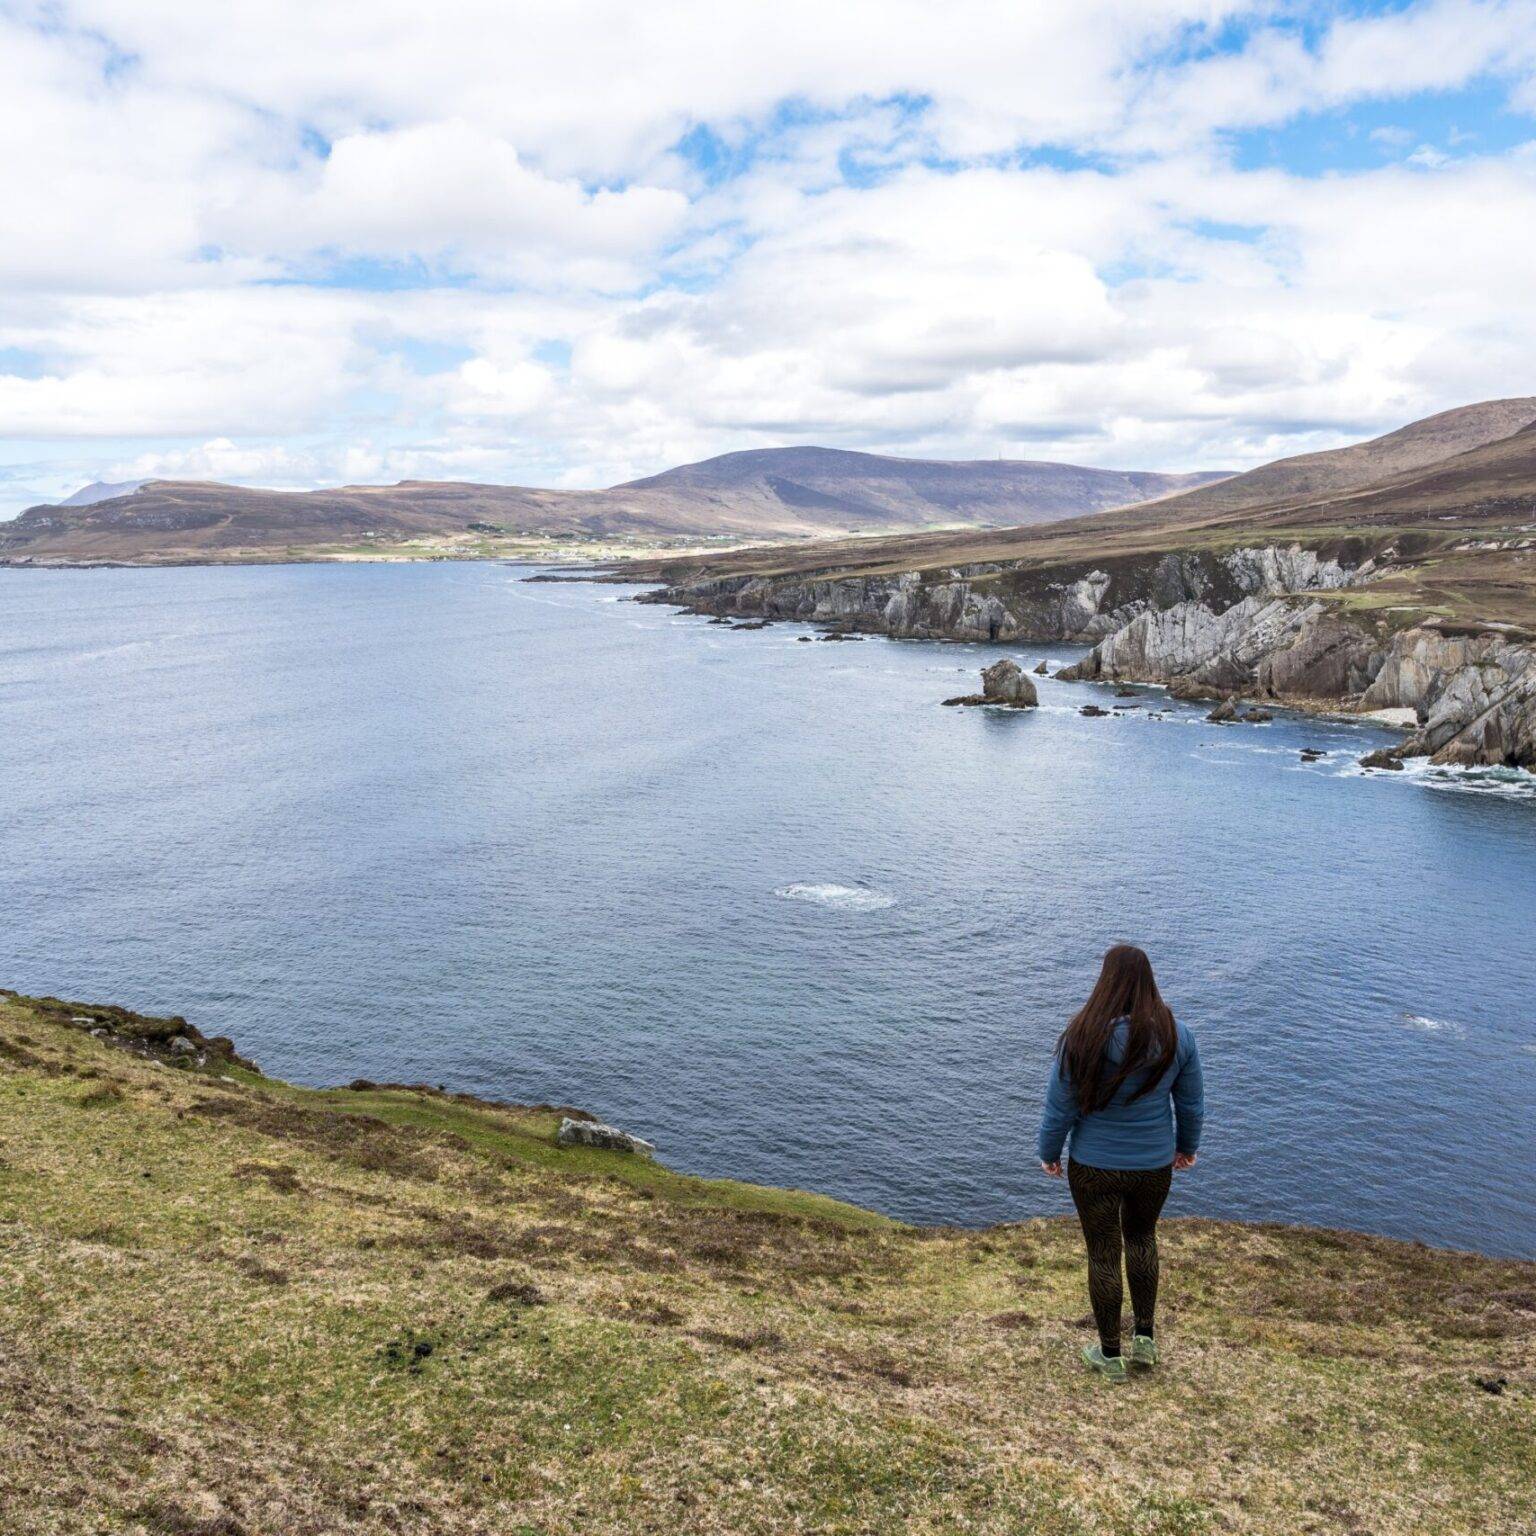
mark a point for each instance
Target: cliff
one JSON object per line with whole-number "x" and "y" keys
{"x": 234, "y": 1307}
{"x": 1472, "y": 692}
{"x": 1397, "y": 573}
{"x": 1305, "y": 626}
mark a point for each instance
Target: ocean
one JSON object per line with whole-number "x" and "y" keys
{"x": 762, "y": 902}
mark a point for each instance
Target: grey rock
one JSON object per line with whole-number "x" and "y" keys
{"x": 1224, "y": 712}
{"x": 591, "y": 1133}
{"x": 1474, "y": 694}
{"x": 1383, "y": 757}
{"x": 1004, "y": 682}
{"x": 1207, "y": 624}
{"x": 1042, "y": 670}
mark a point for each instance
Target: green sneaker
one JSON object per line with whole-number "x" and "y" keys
{"x": 1143, "y": 1350}
{"x": 1110, "y": 1367}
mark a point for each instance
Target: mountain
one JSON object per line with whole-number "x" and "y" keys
{"x": 877, "y": 490}
{"x": 779, "y": 493}
{"x": 1409, "y": 448}
{"x": 100, "y": 490}
{"x": 1464, "y": 477}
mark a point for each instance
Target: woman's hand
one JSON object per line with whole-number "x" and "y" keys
{"x": 1183, "y": 1160}
{"x": 1054, "y": 1169}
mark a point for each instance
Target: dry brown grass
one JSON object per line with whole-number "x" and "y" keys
{"x": 234, "y": 1308}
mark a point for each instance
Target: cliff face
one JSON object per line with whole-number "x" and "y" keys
{"x": 1473, "y": 694}
{"x": 1005, "y": 602}
{"x": 1203, "y": 622}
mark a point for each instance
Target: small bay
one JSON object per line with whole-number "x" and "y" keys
{"x": 762, "y": 902}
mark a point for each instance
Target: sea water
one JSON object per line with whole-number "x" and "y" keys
{"x": 765, "y": 903}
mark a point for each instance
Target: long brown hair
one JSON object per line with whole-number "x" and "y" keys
{"x": 1126, "y": 989}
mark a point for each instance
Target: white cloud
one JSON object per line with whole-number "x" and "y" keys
{"x": 454, "y": 192}
{"x": 965, "y": 229}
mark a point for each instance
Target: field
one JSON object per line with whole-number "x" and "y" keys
{"x": 230, "y": 1306}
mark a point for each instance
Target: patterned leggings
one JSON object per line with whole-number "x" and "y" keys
{"x": 1116, "y": 1203}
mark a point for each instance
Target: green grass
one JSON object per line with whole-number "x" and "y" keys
{"x": 230, "y": 1306}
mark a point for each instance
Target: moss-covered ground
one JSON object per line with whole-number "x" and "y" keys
{"x": 233, "y": 1307}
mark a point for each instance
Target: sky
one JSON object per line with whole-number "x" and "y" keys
{"x": 313, "y": 242}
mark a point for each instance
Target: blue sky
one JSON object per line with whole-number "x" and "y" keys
{"x": 574, "y": 245}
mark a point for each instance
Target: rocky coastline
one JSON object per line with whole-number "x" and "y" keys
{"x": 1261, "y": 622}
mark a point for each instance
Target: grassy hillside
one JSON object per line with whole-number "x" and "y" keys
{"x": 1458, "y": 534}
{"x": 1402, "y": 452}
{"x": 779, "y": 493}
{"x": 229, "y": 1306}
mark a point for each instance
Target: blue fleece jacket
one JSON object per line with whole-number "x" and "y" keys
{"x": 1127, "y": 1133}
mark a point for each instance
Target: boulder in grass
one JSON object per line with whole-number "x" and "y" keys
{"x": 609, "y": 1138}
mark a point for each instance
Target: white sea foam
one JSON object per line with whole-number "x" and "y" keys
{"x": 125, "y": 648}
{"x": 1511, "y": 783}
{"x": 845, "y": 898}
{"x": 1434, "y": 1026}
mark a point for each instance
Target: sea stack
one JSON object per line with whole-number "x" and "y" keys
{"x": 1002, "y": 683}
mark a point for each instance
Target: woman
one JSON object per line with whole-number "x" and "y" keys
{"x": 1123, "y": 1070}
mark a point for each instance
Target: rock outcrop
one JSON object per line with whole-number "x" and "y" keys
{"x": 1208, "y": 624}
{"x": 1276, "y": 647}
{"x": 1002, "y": 683}
{"x": 609, "y": 1138}
{"x": 170, "y": 1040}
{"x": 1473, "y": 691}
{"x": 993, "y": 602}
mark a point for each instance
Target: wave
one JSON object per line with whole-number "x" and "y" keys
{"x": 1515, "y": 782}
{"x": 123, "y": 648}
{"x": 1435, "y": 1026}
{"x": 1509, "y": 783}
{"x": 844, "y": 898}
